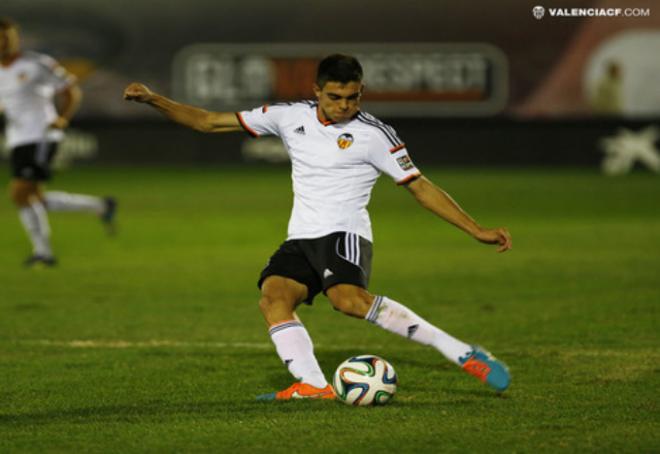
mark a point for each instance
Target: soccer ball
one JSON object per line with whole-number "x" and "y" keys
{"x": 365, "y": 380}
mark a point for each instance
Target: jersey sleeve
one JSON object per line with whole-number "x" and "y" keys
{"x": 262, "y": 121}
{"x": 53, "y": 74}
{"x": 389, "y": 155}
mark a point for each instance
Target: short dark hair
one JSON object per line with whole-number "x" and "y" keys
{"x": 6, "y": 23}
{"x": 338, "y": 68}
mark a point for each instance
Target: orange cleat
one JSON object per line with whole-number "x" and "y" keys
{"x": 300, "y": 391}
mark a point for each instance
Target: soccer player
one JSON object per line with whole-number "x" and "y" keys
{"x": 29, "y": 85}
{"x": 337, "y": 153}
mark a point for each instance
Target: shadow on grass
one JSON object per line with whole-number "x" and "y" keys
{"x": 154, "y": 411}
{"x": 223, "y": 411}
{"x": 226, "y": 410}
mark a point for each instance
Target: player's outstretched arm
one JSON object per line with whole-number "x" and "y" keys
{"x": 190, "y": 116}
{"x": 439, "y": 202}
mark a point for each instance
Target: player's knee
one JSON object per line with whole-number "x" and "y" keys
{"x": 267, "y": 303}
{"x": 280, "y": 296}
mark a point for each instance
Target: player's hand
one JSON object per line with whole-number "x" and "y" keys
{"x": 138, "y": 92}
{"x": 499, "y": 236}
{"x": 60, "y": 123}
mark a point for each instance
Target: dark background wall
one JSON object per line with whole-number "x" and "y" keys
{"x": 111, "y": 44}
{"x": 492, "y": 142}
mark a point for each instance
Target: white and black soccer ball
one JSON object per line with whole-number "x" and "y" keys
{"x": 365, "y": 380}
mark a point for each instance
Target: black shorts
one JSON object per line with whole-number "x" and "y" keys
{"x": 320, "y": 263}
{"x": 32, "y": 161}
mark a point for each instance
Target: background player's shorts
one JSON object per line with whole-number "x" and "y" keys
{"x": 320, "y": 263}
{"x": 32, "y": 161}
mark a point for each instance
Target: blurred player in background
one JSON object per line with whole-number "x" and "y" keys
{"x": 29, "y": 85}
{"x": 337, "y": 153}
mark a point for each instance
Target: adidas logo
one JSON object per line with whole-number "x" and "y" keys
{"x": 300, "y": 130}
{"x": 412, "y": 329}
{"x": 327, "y": 273}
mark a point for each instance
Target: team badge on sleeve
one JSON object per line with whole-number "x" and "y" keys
{"x": 344, "y": 141}
{"x": 404, "y": 162}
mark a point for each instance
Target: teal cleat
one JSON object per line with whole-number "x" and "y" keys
{"x": 486, "y": 368}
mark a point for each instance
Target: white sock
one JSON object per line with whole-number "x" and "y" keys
{"x": 35, "y": 222}
{"x": 295, "y": 348}
{"x": 397, "y": 318}
{"x": 64, "y": 201}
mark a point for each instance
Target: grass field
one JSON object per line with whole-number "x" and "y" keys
{"x": 152, "y": 341}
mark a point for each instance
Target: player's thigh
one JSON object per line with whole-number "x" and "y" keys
{"x": 350, "y": 299}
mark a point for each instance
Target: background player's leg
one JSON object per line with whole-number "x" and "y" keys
{"x": 65, "y": 201}
{"x": 279, "y": 298}
{"x": 33, "y": 216}
{"x": 104, "y": 207}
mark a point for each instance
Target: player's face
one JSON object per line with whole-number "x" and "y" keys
{"x": 8, "y": 42}
{"x": 339, "y": 102}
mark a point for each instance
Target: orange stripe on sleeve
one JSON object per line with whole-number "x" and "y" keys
{"x": 397, "y": 148}
{"x": 249, "y": 130}
{"x": 409, "y": 178}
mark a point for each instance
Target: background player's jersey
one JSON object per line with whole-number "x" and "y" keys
{"x": 27, "y": 88}
{"x": 334, "y": 165}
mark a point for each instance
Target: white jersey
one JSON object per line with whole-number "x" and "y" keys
{"x": 27, "y": 89}
{"x": 334, "y": 165}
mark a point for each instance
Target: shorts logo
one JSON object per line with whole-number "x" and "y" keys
{"x": 405, "y": 163}
{"x": 345, "y": 140}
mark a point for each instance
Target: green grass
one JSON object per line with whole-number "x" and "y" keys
{"x": 180, "y": 349}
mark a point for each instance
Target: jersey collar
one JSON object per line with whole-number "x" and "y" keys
{"x": 318, "y": 117}
{"x": 330, "y": 122}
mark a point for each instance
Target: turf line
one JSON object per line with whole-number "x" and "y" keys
{"x": 120, "y": 344}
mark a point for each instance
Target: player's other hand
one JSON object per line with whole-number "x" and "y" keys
{"x": 499, "y": 236}
{"x": 138, "y": 92}
{"x": 60, "y": 123}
